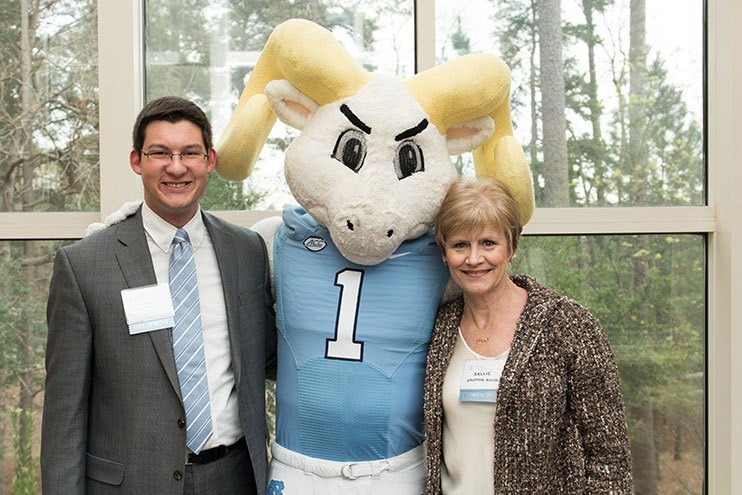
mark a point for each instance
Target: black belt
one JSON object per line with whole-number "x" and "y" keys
{"x": 211, "y": 455}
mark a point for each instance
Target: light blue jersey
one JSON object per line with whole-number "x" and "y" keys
{"x": 352, "y": 343}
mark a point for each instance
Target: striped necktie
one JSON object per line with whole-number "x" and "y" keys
{"x": 188, "y": 343}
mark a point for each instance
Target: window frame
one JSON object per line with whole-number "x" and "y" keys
{"x": 121, "y": 96}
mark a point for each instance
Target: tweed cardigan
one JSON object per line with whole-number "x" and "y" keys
{"x": 560, "y": 425}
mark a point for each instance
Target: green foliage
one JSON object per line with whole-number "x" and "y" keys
{"x": 672, "y": 140}
{"x": 252, "y": 21}
{"x": 460, "y": 40}
{"x": 649, "y": 294}
{"x": 221, "y": 194}
{"x": 599, "y": 171}
{"x": 177, "y": 56}
{"x": 25, "y": 476}
{"x": 49, "y": 122}
{"x": 13, "y": 292}
{"x": 22, "y": 307}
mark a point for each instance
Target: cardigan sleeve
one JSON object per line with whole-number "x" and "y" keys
{"x": 596, "y": 400}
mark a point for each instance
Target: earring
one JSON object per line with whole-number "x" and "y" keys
{"x": 445, "y": 262}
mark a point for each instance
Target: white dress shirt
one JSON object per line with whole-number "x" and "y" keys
{"x": 222, "y": 391}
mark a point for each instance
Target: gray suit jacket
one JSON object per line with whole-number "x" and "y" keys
{"x": 113, "y": 415}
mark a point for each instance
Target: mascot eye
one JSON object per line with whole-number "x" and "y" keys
{"x": 408, "y": 160}
{"x": 350, "y": 149}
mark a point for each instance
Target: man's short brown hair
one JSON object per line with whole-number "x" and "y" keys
{"x": 171, "y": 109}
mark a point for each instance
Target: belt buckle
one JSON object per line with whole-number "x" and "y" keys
{"x": 370, "y": 468}
{"x": 347, "y": 472}
{"x": 196, "y": 458}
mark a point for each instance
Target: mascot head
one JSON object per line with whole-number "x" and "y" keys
{"x": 372, "y": 163}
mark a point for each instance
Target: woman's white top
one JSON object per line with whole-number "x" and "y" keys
{"x": 468, "y": 427}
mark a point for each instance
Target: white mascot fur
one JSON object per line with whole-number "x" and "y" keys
{"x": 357, "y": 275}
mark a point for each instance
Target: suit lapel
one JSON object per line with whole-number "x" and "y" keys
{"x": 136, "y": 264}
{"x": 226, "y": 256}
{"x": 131, "y": 255}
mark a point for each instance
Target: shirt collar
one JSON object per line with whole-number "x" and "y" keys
{"x": 162, "y": 233}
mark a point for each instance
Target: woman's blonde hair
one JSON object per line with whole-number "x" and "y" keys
{"x": 473, "y": 206}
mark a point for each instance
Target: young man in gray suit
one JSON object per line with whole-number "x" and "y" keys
{"x": 161, "y": 330}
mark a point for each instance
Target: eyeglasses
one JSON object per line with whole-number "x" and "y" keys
{"x": 187, "y": 157}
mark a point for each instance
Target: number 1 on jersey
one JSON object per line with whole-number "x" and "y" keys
{"x": 344, "y": 345}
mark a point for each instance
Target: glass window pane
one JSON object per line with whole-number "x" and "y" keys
{"x": 608, "y": 104}
{"x": 206, "y": 49}
{"x": 648, "y": 292}
{"x": 25, "y": 270}
{"x": 49, "y": 157}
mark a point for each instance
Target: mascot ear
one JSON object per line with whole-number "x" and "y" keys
{"x": 290, "y": 105}
{"x": 468, "y": 135}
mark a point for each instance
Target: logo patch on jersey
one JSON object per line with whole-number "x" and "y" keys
{"x": 275, "y": 487}
{"x": 315, "y": 243}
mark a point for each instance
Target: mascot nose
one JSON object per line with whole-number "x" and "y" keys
{"x": 350, "y": 226}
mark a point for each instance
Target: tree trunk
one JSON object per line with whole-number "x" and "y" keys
{"x": 594, "y": 106}
{"x": 26, "y": 379}
{"x": 556, "y": 177}
{"x": 533, "y": 89}
{"x": 637, "y": 104}
{"x": 25, "y": 348}
{"x": 677, "y": 451}
{"x": 2, "y": 433}
{"x": 646, "y": 469}
{"x": 644, "y": 456}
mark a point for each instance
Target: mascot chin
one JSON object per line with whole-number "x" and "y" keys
{"x": 357, "y": 275}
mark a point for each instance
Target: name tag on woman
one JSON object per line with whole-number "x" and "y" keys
{"x": 481, "y": 380}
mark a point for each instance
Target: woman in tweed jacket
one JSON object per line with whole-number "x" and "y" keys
{"x": 549, "y": 418}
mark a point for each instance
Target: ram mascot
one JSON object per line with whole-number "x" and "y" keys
{"x": 357, "y": 275}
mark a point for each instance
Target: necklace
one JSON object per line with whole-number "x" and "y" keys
{"x": 480, "y": 340}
